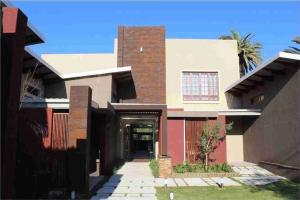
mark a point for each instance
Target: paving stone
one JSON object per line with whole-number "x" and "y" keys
{"x": 257, "y": 180}
{"x": 148, "y": 190}
{"x": 180, "y": 182}
{"x": 148, "y": 195}
{"x": 226, "y": 181}
{"x": 134, "y": 190}
{"x": 195, "y": 182}
{"x": 117, "y": 195}
{"x": 159, "y": 182}
{"x": 100, "y": 196}
{"x": 121, "y": 189}
{"x": 171, "y": 182}
{"x": 106, "y": 190}
{"x": 133, "y": 195}
{"x": 111, "y": 184}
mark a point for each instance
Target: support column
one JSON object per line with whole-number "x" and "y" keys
{"x": 13, "y": 34}
{"x": 164, "y": 161}
{"x": 79, "y": 137}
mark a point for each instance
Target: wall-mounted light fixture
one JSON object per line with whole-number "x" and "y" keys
{"x": 141, "y": 49}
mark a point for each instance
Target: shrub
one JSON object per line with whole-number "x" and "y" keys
{"x": 186, "y": 167}
{"x": 226, "y": 167}
{"x": 154, "y": 167}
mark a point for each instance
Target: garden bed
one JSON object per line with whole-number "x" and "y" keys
{"x": 199, "y": 170}
{"x": 204, "y": 174}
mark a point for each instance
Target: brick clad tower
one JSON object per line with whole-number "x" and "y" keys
{"x": 143, "y": 48}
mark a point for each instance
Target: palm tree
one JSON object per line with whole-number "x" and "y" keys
{"x": 295, "y": 50}
{"x": 248, "y": 51}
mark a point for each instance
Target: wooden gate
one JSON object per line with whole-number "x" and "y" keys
{"x": 193, "y": 129}
{"x": 59, "y": 147}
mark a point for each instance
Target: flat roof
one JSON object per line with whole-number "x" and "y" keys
{"x": 113, "y": 70}
{"x": 263, "y": 72}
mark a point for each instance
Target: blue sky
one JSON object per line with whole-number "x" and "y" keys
{"x": 90, "y": 27}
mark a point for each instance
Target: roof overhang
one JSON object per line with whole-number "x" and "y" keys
{"x": 192, "y": 114}
{"x": 33, "y": 36}
{"x": 240, "y": 112}
{"x": 108, "y": 71}
{"x": 264, "y": 73}
{"x": 40, "y": 67}
{"x": 50, "y": 103}
{"x": 137, "y": 107}
{"x": 46, "y": 103}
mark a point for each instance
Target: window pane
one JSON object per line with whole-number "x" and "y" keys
{"x": 200, "y": 86}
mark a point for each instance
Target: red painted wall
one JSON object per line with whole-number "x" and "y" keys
{"x": 176, "y": 140}
{"x": 194, "y": 128}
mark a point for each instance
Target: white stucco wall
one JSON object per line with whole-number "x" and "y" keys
{"x": 234, "y": 148}
{"x": 200, "y": 55}
{"x": 72, "y": 63}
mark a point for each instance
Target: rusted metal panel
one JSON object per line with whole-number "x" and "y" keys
{"x": 59, "y": 140}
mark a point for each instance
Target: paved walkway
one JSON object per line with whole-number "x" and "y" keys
{"x": 135, "y": 181}
{"x": 251, "y": 174}
{"x": 132, "y": 181}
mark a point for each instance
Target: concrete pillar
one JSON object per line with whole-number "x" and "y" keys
{"x": 79, "y": 139}
{"x": 14, "y": 24}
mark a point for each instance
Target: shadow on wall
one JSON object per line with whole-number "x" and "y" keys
{"x": 45, "y": 164}
{"x": 126, "y": 92}
{"x": 233, "y": 102}
{"x": 55, "y": 89}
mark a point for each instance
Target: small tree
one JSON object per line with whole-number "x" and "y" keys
{"x": 210, "y": 139}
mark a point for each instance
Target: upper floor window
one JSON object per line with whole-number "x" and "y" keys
{"x": 200, "y": 86}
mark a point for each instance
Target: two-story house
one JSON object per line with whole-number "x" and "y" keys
{"x": 152, "y": 96}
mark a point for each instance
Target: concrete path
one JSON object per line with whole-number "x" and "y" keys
{"x": 252, "y": 174}
{"x": 132, "y": 181}
{"x": 135, "y": 181}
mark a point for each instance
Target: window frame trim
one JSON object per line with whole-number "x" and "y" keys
{"x": 199, "y": 101}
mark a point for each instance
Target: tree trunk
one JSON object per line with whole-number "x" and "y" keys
{"x": 206, "y": 161}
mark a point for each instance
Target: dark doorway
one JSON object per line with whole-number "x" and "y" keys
{"x": 139, "y": 137}
{"x": 142, "y": 135}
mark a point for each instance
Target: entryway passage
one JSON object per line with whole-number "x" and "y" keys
{"x": 133, "y": 180}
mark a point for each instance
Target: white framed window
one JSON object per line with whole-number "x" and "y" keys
{"x": 200, "y": 86}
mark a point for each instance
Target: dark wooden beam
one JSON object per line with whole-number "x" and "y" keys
{"x": 241, "y": 90}
{"x": 264, "y": 77}
{"x": 235, "y": 93}
{"x": 260, "y": 83}
{"x": 275, "y": 71}
{"x": 247, "y": 86}
{"x": 286, "y": 64}
{"x": 40, "y": 75}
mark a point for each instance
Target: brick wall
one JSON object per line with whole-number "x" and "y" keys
{"x": 148, "y": 66}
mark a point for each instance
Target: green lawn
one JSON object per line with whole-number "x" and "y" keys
{"x": 280, "y": 190}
